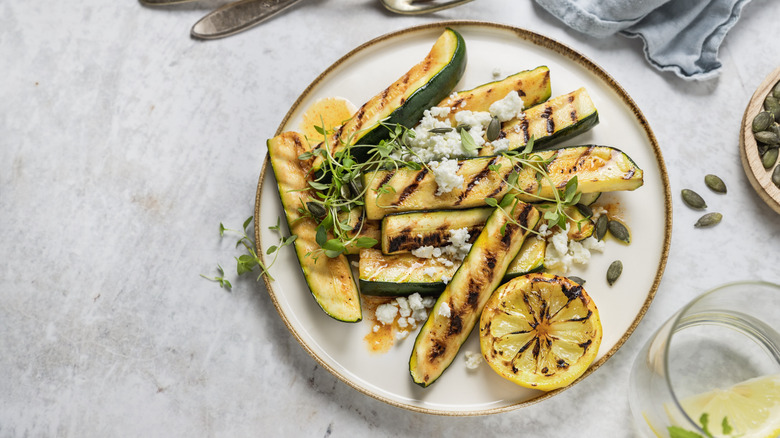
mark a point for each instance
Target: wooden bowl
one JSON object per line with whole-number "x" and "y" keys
{"x": 760, "y": 178}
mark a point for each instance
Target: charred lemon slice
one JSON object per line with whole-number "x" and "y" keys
{"x": 540, "y": 331}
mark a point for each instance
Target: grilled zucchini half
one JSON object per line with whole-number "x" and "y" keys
{"x": 550, "y": 123}
{"x": 533, "y": 87}
{"x": 405, "y": 100}
{"x": 401, "y": 274}
{"x": 330, "y": 279}
{"x": 598, "y": 169}
{"x": 404, "y": 232}
{"x": 529, "y": 259}
{"x": 458, "y": 308}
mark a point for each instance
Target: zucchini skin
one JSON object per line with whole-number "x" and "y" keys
{"x": 482, "y": 271}
{"x": 402, "y": 103}
{"x": 330, "y": 280}
{"x": 598, "y": 168}
{"x": 400, "y": 275}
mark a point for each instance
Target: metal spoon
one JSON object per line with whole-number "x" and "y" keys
{"x": 413, "y": 7}
{"x": 238, "y": 16}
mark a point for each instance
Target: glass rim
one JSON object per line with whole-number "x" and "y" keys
{"x": 675, "y": 320}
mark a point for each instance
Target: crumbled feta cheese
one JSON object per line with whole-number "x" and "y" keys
{"x": 430, "y": 271}
{"x": 507, "y": 108}
{"x": 412, "y": 321}
{"x": 497, "y": 73}
{"x": 544, "y": 232}
{"x": 594, "y": 244}
{"x": 420, "y": 314}
{"x": 428, "y": 302}
{"x": 445, "y": 279}
{"x": 579, "y": 253}
{"x": 446, "y": 175}
{"x": 446, "y": 262}
{"x": 415, "y": 301}
{"x": 403, "y": 305}
{"x": 440, "y": 112}
{"x": 597, "y": 211}
{"x": 385, "y": 313}
{"x": 401, "y": 334}
{"x": 426, "y": 252}
{"x": 444, "y": 310}
{"x": 473, "y": 360}
{"x": 500, "y": 145}
{"x": 376, "y": 328}
{"x": 402, "y": 323}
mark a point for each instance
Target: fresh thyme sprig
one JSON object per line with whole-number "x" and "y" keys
{"x": 248, "y": 261}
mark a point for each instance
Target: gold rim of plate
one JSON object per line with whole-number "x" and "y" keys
{"x": 760, "y": 178}
{"x": 560, "y": 49}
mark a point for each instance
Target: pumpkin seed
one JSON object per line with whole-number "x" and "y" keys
{"x": 762, "y": 121}
{"x": 461, "y": 127}
{"x": 601, "y": 227}
{"x": 440, "y": 130}
{"x": 769, "y": 158}
{"x": 619, "y": 231}
{"x": 345, "y": 192}
{"x": 762, "y": 148}
{"x": 614, "y": 271}
{"x": 776, "y": 176}
{"x": 316, "y": 210}
{"x": 776, "y": 91}
{"x": 708, "y": 220}
{"x": 715, "y": 183}
{"x": 692, "y": 199}
{"x": 772, "y": 104}
{"x": 576, "y": 279}
{"x": 584, "y": 210}
{"x": 494, "y": 129}
{"x": 767, "y": 137}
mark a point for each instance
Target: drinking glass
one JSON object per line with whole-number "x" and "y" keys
{"x": 713, "y": 367}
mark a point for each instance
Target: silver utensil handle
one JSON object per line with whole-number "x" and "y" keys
{"x": 238, "y": 16}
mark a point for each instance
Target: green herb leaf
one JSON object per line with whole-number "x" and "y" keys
{"x": 318, "y": 186}
{"x": 321, "y": 237}
{"x": 276, "y": 227}
{"x": 727, "y": 429}
{"x": 507, "y": 200}
{"x": 271, "y": 249}
{"x": 222, "y": 229}
{"x": 491, "y": 202}
{"x": 305, "y": 156}
{"x": 495, "y": 167}
{"x": 529, "y": 146}
{"x": 467, "y": 141}
{"x": 503, "y": 228}
{"x": 570, "y": 190}
{"x": 332, "y": 254}
{"x": 679, "y": 432}
{"x": 365, "y": 242}
{"x": 704, "y": 420}
{"x": 511, "y": 179}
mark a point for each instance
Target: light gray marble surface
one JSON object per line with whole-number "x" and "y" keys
{"x": 123, "y": 145}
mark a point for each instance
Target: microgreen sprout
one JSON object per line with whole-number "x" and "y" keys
{"x": 704, "y": 420}
{"x": 250, "y": 260}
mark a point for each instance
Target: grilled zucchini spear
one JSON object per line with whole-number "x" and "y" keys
{"x": 330, "y": 279}
{"x": 405, "y": 100}
{"x": 457, "y": 310}
{"x": 598, "y": 169}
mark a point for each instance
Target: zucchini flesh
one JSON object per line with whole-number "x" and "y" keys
{"x": 550, "y": 123}
{"x": 598, "y": 169}
{"x": 360, "y": 227}
{"x": 580, "y": 227}
{"x": 401, "y": 274}
{"x": 405, "y": 100}
{"x": 330, "y": 280}
{"x": 405, "y": 232}
{"x": 529, "y": 259}
{"x": 533, "y": 87}
{"x": 465, "y": 296}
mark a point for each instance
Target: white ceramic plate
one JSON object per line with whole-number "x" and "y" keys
{"x": 362, "y": 73}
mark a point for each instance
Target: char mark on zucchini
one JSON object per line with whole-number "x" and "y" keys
{"x": 456, "y": 325}
{"x": 408, "y": 190}
{"x": 475, "y": 180}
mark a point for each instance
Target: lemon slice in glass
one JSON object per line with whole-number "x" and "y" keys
{"x": 540, "y": 331}
{"x": 751, "y": 409}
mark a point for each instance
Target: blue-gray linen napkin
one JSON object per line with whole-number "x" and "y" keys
{"x": 682, "y": 36}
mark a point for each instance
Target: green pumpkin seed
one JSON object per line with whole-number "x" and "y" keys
{"x": 619, "y": 231}
{"x": 708, "y": 220}
{"x": 772, "y": 104}
{"x": 776, "y": 176}
{"x": 776, "y": 91}
{"x": 614, "y": 271}
{"x": 715, "y": 183}
{"x": 316, "y": 210}
{"x": 576, "y": 279}
{"x": 769, "y": 158}
{"x": 601, "y": 227}
{"x": 762, "y": 148}
{"x": 692, "y": 199}
{"x": 462, "y": 127}
{"x": 762, "y": 121}
{"x": 440, "y": 130}
{"x": 494, "y": 129}
{"x": 767, "y": 137}
{"x": 584, "y": 210}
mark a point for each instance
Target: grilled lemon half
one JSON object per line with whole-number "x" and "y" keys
{"x": 540, "y": 331}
